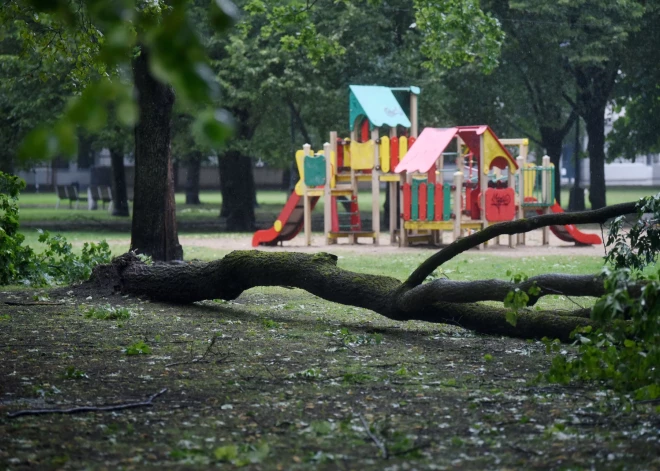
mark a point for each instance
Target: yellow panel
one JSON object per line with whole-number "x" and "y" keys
{"x": 362, "y": 155}
{"x": 390, "y": 178}
{"x": 429, "y": 225}
{"x": 300, "y": 162}
{"x": 530, "y": 179}
{"x": 403, "y": 147}
{"x": 492, "y": 150}
{"x": 384, "y": 154}
{"x": 347, "y": 155}
{"x": 278, "y": 226}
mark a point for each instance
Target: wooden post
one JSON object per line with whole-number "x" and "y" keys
{"x": 393, "y": 199}
{"x": 307, "y": 212}
{"x": 512, "y": 184}
{"x": 483, "y": 178}
{"x": 403, "y": 233}
{"x": 327, "y": 196}
{"x": 458, "y": 206}
{"x": 413, "y": 115}
{"x": 521, "y": 194}
{"x": 375, "y": 188}
{"x": 545, "y": 191}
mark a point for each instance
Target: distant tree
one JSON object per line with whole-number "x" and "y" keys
{"x": 593, "y": 39}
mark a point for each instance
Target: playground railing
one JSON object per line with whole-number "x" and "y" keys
{"x": 427, "y": 202}
{"x": 539, "y": 186}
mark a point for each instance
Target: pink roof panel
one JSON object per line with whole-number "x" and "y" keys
{"x": 428, "y": 147}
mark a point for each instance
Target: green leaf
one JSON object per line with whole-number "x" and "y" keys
{"x": 226, "y": 453}
{"x": 512, "y": 317}
{"x": 212, "y": 128}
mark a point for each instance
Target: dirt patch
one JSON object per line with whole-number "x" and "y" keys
{"x": 533, "y": 245}
{"x": 279, "y": 379}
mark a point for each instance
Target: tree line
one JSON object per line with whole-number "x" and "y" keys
{"x": 279, "y": 78}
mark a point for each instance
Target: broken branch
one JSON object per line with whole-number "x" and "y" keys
{"x": 78, "y": 410}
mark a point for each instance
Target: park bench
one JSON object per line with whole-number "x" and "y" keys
{"x": 62, "y": 194}
{"x": 105, "y": 193}
{"x": 75, "y": 195}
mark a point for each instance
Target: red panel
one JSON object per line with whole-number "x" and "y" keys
{"x": 411, "y": 141}
{"x": 364, "y": 131}
{"x": 475, "y": 212}
{"x": 423, "y": 202}
{"x": 394, "y": 152}
{"x": 406, "y": 202}
{"x": 356, "y": 223}
{"x": 340, "y": 153}
{"x": 334, "y": 217}
{"x": 438, "y": 206}
{"x": 431, "y": 175}
{"x": 500, "y": 204}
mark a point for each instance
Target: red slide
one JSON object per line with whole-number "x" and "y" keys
{"x": 287, "y": 225}
{"x": 570, "y": 233}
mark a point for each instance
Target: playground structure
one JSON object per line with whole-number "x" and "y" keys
{"x": 455, "y": 180}
{"x": 344, "y": 163}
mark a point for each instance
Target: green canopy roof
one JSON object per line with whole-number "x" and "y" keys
{"x": 378, "y": 105}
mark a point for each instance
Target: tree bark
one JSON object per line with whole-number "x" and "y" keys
{"x": 595, "y": 124}
{"x": 595, "y": 86}
{"x": 194, "y": 166}
{"x": 154, "y": 231}
{"x": 119, "y": 193}
{"x": 440, "y": 301}
{"x": 552, "y": 139}
{"x": 237, "y": 188}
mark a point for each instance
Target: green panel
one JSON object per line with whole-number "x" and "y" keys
{"x": 446, "y": 202}
{"x": 414, "y": 209}
{"x": 378, "y": 104}
{"x": 430, "y": 191}
{"x": 314, "y": 168}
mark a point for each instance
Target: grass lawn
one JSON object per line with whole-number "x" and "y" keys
{"x": 280, "y": 379}
{"x": 37, "y": 207}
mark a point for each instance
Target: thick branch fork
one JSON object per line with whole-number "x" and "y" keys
{"x": 440, "y": 301}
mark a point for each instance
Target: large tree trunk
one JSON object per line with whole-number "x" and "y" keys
{"x": 595, "y": 85}
{"x": 553, "y": 140}
{"x": 595, "y": 123}
{"x": 194, "y": 166}
{"x": 238, "y": 191}
{"x": 119, "y": 193}
{"x": 440, "y": 301}
{"x": 154, "y": 230}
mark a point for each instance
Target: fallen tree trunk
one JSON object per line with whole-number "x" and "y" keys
{"x": 439, "y": 301}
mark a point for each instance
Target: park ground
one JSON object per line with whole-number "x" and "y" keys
{"x": 279, "y": 379}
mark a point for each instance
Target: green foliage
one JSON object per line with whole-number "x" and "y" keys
{"x": 637, "y": 246}
{"x": 98, "y": 40}
{"x": 16, "y": 260}
{"x": 349, "y": 339}
{"x": 623, "y": 351}
{"x": 138, "y": 348}
{"x": 517, "y": 299}
{"x": 457, "y": 32}
{"x": 73, "y": 373}
{"x": 57, "y": 264}
{"x": 242, "y": 455}
{"x": 108, "y": 312}
{"x": 60, "y": 264}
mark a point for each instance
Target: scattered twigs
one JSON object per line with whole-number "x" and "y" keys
{"x": 525, "y": 450}
{"x": 33, "y": 303}
{"x": 78, "y": 410}
{"x": 381, "y": 446}
{"x": 201, "y": 359}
